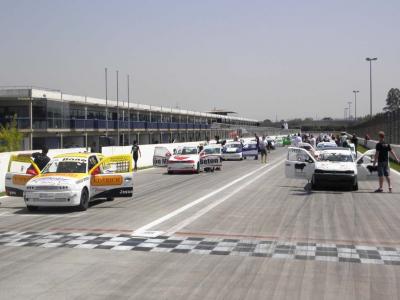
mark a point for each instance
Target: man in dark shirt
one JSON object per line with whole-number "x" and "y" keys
{"x": 382, "y": 157}
{"x": 40, "y": 158}
{"x": 354, "y": 140}
{"x": 135, "y": 153}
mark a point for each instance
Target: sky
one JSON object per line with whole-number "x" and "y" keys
{"x": 263, "y": 59}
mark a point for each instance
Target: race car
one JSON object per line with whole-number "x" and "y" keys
{"x": 188, "y": 159}
{"x": 250, "y": 150}
{"x": 72, "y": 179}
{"x": 333, "y": 168}
{"x": 232, "y": 151}
{"x": 326, "y": 145}
{"x": 270, "y": 142}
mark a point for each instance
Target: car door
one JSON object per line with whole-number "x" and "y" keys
{"x": 161, "y": 156}
{"x": 112, "y": 177}
{"x": 366, "y": 170}
{"x": 300, "y": 164}
{"x": 210, "y": 158}
{"x": 21, "y": 169}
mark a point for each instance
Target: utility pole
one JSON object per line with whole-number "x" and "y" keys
{"x": 106, "y": 101}
{"x": 370, "y": 83}
{"x": 355, "y": 104}
{"x": 129, "y": 114}
{"x": 349, "y": 110}
{"x": 117, "y": 112}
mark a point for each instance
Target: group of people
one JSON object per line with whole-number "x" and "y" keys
{"x": 263, "y": 147}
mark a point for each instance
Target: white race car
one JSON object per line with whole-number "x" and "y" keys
{"x": 326, "y": 145}
{"x": 334, "y": 167}
{"x": 232, "y": 151}
{"x": 70, "y": 179}
{"x": 188, "y": 159}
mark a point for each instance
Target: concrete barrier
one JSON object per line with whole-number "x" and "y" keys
{"x": 5, "y": 158}
{"x": 372, "y": 144}
{"x": 146, "y": 160}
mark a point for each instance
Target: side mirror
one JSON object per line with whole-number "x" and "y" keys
{"x": 310, "y": 160}
{"x": 360, "y": 162}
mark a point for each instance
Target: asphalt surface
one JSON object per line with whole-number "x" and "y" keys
{"x": 246, "y": 204}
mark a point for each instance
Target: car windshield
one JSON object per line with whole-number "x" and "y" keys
{"x": 233, "y": 145}
{"x": 212, "y": 150}
{"x": 335, "y": 157}
{"x": 250, "y": 146}
{"x": 67, "y": 166}
{"x": 188, "y": 151}
{"x": 326, "y": 145}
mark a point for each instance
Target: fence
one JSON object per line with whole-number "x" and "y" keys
{"x": 388, "y": 122}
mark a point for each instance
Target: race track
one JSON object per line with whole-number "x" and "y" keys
{"x": 245, "y": 232}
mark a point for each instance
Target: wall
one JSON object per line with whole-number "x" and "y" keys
{"x": 146, "y": 160}
{"x": 371, "y": 145}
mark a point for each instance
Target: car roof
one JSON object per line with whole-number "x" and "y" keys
{"x": 336, "y": 150}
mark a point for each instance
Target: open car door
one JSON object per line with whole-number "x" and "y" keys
{"x": 365, "y": 169}
{"x": 161, "y": 156}
{"x": 112, "y": 177}
{"x": 210, "y": 158}
{"x": 300, "y": 164}
{"x": 21, "y": 169}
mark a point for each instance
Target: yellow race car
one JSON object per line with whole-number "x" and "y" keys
{"x": 72, "y": 179}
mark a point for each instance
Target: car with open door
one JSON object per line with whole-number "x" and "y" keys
{"x": 334, "y": 168}
{"x": 72, "y": 180}
{"x": 210, "y": 158}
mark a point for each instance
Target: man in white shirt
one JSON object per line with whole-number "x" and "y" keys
{"x": 313, "y": 141}
{"x": 297, "y": 140}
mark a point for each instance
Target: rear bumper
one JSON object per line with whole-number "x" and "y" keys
{"x": 335, "y": 180}
{"x": 233, "y": 156}
{"x": 182, "y": 167}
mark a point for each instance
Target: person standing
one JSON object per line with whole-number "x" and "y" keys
{"x": 354, "y": 140}
{"x": 135, "y": 153}
{"x": 263, "y": 150}
{"x": 382, "y": 157}
{"x": 313, "y": 141}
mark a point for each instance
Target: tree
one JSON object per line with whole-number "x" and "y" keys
{"x": 10, "y": 137}
{"x": 392, "y": 100}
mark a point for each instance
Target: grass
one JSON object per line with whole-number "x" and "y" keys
{"x": 2, "y": 194}
{"x": 394, "y": 165}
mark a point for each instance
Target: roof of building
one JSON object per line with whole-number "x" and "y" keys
{"x": 25, "y": 93}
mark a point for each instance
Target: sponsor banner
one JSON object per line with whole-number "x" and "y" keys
{"x": 106, "y": 180}
{"x": 211, "y": 161}
{"x": 21, "y": 179}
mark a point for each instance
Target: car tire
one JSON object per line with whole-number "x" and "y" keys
{"x": 355, "y": 187}
{"x": 169, "y": 172}
{"x": 256, "y": 157}
{"x": 110, "y": 199}
{"x": 84, "y": 204}
{"x": 32, "y": 208}
{"x": 198, "y": 168}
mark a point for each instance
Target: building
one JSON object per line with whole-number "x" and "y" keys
{"x": 61, "y": 120}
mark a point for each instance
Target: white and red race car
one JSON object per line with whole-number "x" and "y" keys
{"x": 188, "y": 159}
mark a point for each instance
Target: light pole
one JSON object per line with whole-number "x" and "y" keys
{"x": 117, "y": 112}
{"x": 355, "y": 104}
{"x": 349, "y": 110}
{"x": 370, "y": 83}
{"x": 106, "y": 101}
{"x": 345, "y": 113}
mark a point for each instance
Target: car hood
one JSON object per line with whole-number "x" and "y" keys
{"x": 56, "y": 179}
{"x": 335, "y": 166}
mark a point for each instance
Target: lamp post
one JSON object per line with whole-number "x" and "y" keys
{"x": 370, "y": 83}
{"x": 349, "y": 110}
{"x": 355, "y": 104}
{"x": 345, "y": 113}
{"x": 117, "y": 112}
{"x": 106, "y": 101}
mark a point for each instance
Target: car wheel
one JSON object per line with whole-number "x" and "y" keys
{"x": 355, "y": 187}
{"x": 32, "y": 208}
{"x": 169, "y": 172}
{"x": 256, "y": 157}
{"x": 198, "y": 168}
{"x": 84, "y": 200}
{"x": 110, "y": 199}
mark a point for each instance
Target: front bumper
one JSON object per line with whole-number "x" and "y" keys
{"x": 52, "y": 199}
{"x": 334, "y": 180}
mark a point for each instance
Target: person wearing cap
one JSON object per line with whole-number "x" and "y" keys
{"x": 382, "y": 157}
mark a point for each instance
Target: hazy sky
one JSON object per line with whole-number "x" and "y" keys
{"x": 259, "y": 58}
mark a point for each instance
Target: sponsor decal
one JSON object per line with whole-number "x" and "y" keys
{"x": 21, "y": 179}
{"x": 102, "y": 180}
{"x": 60, "y": 175}
{"x": 157, "y": 161}
{"x": 180, "y": 157}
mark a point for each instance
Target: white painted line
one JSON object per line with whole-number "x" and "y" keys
{"x": 209, "y": 207}
{"x": 193, "y": 203}
{"x": 1, "y": 197}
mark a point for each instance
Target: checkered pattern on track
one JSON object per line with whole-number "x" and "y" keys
{"x": 208, "y": 246}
